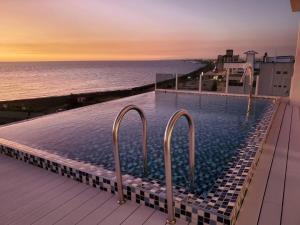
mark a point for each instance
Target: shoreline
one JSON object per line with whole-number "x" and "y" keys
{"x": 17, "y": 110}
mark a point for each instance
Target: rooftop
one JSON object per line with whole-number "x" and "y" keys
{"x": 41, "y": 197}
{"x": 46, "y": 198}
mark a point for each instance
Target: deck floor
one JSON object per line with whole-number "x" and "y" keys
{"x": 274, "y": 193}
{"x": 30, "y": 195}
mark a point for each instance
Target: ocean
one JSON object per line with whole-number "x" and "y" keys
{"x": 22, "y": 80}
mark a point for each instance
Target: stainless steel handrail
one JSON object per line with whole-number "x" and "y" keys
{"x": 168, "y": 161}
{"x": 115, "y": 132}
{"x": 248, "y": 70}
{"x": 249, "y": 108}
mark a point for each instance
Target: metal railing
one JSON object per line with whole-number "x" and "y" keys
{"x": 209, "y": 83}
{"x": 168, "y": 160}
{"x": 248, "y": 71}
{"x": 115, "y": 132}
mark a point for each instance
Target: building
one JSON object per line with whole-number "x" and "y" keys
{"x": 229, "y": 57}
{"x": 275, "y": 74}
{"x": 250, "y": 57}
{"x": 235, "y": 70}
{"x": 278, "y": 59}
{"x": 275, "y": 78}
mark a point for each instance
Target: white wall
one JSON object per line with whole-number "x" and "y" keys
{"x": 295, "y": 86}
{"x": 250, "y": 58}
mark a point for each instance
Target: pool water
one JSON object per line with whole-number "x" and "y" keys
{"x": 85, "y": 134}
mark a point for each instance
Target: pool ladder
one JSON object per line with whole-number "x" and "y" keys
{"x": 167, "y": 153}
{"x": 168, "y": 160}
{"x": 116, "y": 128}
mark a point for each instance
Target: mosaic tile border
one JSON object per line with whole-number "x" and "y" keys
{"x": 219, "y": 206}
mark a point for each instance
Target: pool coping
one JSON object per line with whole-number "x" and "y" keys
{"x": 194, "y": 92}
{"x": 220, "y": 206}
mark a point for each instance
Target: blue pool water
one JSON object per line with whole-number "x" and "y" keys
{"x": 85, "y": 134}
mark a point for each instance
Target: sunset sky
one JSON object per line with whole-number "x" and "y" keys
{"x": 143, "y": 29}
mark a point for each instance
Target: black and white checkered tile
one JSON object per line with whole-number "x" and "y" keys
{"x": 219, "y": 206}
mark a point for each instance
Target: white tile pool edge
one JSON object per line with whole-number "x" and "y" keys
{"x": 192, "y": 92}
{"x": 199, "y": 210}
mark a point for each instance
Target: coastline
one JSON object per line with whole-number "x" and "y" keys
{"x": 17, "y": 110}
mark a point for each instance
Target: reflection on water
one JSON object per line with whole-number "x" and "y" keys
{"x": 31, "y": 80}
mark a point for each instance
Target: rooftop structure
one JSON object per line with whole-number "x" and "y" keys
{"x": 272, "y": 74}
{"x": 275, "y": 78}
{"x": 250, "y": 57}
{"x": 229, "y": 57}
{"x": 278, "y": 59}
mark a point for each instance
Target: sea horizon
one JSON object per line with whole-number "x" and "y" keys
{"x": 27, "y": 80}
{"x": 110, "y": 60}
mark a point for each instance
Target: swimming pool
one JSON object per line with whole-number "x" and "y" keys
{"x": 223, "y": 126}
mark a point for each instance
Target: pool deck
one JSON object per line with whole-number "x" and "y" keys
{"x": 37, "y": 196}
{"x": 274, "y": 194}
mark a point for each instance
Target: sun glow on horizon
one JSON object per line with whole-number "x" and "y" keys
{"x": 44, "y": 30}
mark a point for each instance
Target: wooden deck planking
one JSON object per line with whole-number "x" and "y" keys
{"x": 85, "y": 209}
{"x": 26, "y": 187}
{"x": 141, "y": 215}
{"x": 272, "y": 202}
{"x": 14, "y": 180}
{"x": 52, "y": 205}
{"x": 35, "y": 202}
{"x": 156, "y": 219}
{"x": 100, "y": 213}
{"x": 67, "y": 208}
{"x": 26, "y": 198}
{"x": 291, "y": 203}
{"x": 6, "y": 168}
{"x": 250, "y": 210}
{"x": 120, "y": 214}
{"x": 280, "y": 203}
{"x": 46, "y": 198}
{"x": 39, "y": 202}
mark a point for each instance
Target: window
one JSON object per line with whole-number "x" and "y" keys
{"x": 278, "y": 72}
{"x": 235, "y": 83}
{"x": 275, "y": 85}
{"x": 279, "y": 86}
{"x": 285, "y": 72}
{"x": 284, "y": 86}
